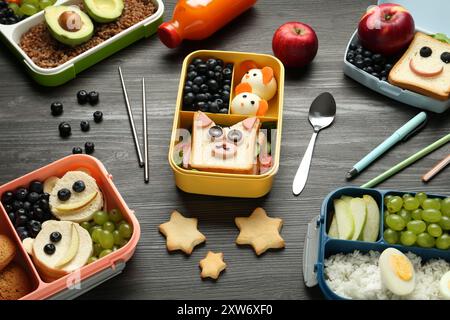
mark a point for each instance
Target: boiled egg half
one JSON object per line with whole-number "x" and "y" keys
{"x": 444, "y": 286}
{"x": 397, "y": 272}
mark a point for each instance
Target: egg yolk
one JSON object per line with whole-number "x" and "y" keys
{"x": 402, "y": 267}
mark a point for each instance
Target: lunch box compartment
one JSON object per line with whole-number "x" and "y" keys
{"x": 427, "y": 20}
{"x": 89, "y": 276}
{"x": 230, "y": 185}
{"x": 11, "y": 34}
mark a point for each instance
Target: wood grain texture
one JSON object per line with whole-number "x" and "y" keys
{"x": 29, "y": 139}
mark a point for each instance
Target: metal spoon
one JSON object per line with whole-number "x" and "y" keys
{"x": 321, "y": 115}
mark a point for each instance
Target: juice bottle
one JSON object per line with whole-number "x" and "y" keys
{"x": 198, "y": 19}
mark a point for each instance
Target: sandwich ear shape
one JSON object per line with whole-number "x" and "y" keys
{"x": 267, "y": 73}
{"x": 243, "y": 87}
{"x": 247, "y": 65}
{"x": 262, "y": 108}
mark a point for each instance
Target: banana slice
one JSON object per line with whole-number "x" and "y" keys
{"x": 73, "y": 248}
{"x": 49, "y": 184}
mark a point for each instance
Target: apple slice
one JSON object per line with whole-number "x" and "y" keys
{"x": 74, "y": 205}
{"x": 372, "y": 226}
{"x": 358, "y": 210}
{"x": 344, "y": 219}
{"x": 72, "y": 250}
{"x": 49, "y": 183}
{"x": 333, "y": 231}
{"x": 347, "y": 199}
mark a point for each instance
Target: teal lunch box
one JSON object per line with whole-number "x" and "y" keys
{"x": 430, "y": 17}
{"x": 11, "y": 34}
{"x": 319, "y": 246}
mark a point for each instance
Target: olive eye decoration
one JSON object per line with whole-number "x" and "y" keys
{"x": 445, "y": 57}
{"x": 215, "y": 132}
{"x": 425, "y": 52}
{"x": 234, "y": 135}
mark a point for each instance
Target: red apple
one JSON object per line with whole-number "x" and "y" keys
{"x": 386, "y": 29}
{"x": 295, "y": 44}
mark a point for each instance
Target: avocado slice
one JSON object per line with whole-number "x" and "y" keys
{"x": 104, "y": 11}
{"x": 69, "y": 25}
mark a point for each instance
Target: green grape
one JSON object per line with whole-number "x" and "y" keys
{"x": 92, "y": 259}
{"x": 416, "y": 226}
{"x": 97, "y": 249}
{"x": 386, "y": 214}
{"x": 106, "y": 239}
{"x": 406, "y": 215}
{"x": 95, "y": 235}
{"x": 115, "y": 215}
{"x": 406, "y": 196}
{"x": 100, "y": 217}
{"x": 431, "y": 215}
{"x": 387, "y": 198}
{"x": 14, "y": 7}
{"x": 421, "y": 196}
{"x": 32, "y": 2}
{"x": 395, "y": 204}
{"x": 45, "y": 3}
{"x": 85, "y": 225}
{"x": 445, "y": 223}
{"x": 108, "y": 225}
{"x": 411, "y": 203}
{"x": 425, "y": 240}
{"x": 395, "y": 222}
{"x": 443, "y": 242}
{"x": 104, "y": 253}
{"x": 118, "y": 240}
{"x": 417, "y": 214}
{"x": 431, "y": 204}
{"x": 408, "y": 238}
{"x": 28, "y": 9}
{"x": 390, "y": 236}
{"x": 125, "y": 230}
{"x": 445, "y": 206}
{"x": 434, "y": 230}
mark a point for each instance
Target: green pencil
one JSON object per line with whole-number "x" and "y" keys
{"x": 400, "y": 166}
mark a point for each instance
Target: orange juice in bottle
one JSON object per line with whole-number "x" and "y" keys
{"x": 198, "y": 19}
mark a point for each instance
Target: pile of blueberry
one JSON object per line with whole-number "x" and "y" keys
{"x": 27, "y": 208}
{"x": 207, "y": 87}
{"x": 7, "y": 15}
{"x": 373, "y": 63}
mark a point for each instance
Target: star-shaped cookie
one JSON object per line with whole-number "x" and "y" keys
{"x": 181, "y": 233}
{"x": 212, "y": 265}
{"x": 260, "y": 231}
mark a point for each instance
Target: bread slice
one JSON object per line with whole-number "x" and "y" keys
{"x": 7, "y": 251}
{"x": 429, "y": 76}
{"x": 221, "y": 154}
{"x": 14, "y": 282}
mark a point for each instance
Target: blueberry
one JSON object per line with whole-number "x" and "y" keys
{"x": 21, "y": 220}
{"x": 84, "y": 125}
{"x": 217, "y": 96}
{"x": 56, "y": 108}
{"x": 383, "y": 79}
{"x": 375, "y": 74}
{"x": 21, "y": 212}
{"x": 189, "y": 98}
{"x": 34, "y": 227}
{"x": 44, "y": 205}
{"x": 197, "y": 61}
{"x": 227, "y": 82}
{"x": 45, "y": 195}
{"x": 220, "y": 103}
{"x": 195, "y": 88}
{"x": 33, "y": 197}
{"x": 98, "y": 116}
{"x": 55, "y": 236}
{"x": 350, "y": 55}
{"x": 388, "y": 67}
{"x": 383, "y": 73}
{"x": 359, "y": 63}
{"x": 219, "y": 62}
{"x": 77, "y": 150}
{"x": 3, "y": 5}
{"x": 213, "y": 85}
{"x": 211, "y": 63}
{"x": 89, "y": 147}
{"x": 359, "y": 57}
{"x": 377, "y": 58}
{"x": 218, "y": 68}
{"x": 445, "y": 57}
{"x": 27, "y": 207}
{"x": 223, "y": 110}
{"x": 229, "y": 66}
{"x": 22, "y": 233}
{"x": 78, "y": 186}
{"x": 204, "y": 88}
{"x": 94, "y": 97}
{"x": 21, "y": 194}
{"x": 359, "y": 50}
{"x": 82, "y": 96}
{"x": 210, "y": 74}
{"x": 38, "y": 214}
{"x": 191, "y": 67}
{"x": 202, "y": 68}
{"x": 7, "y": 197}
{"x": 187, "y": 89}
{"x": 213, "y": 107}
{"x": 16, "y": 205}
{"x": 8, "y": 208}
{"x": 12, "y": 217}
{"x": 226, "y": 88}
{"x": 225, "y": 96}
{"x": 425, "y": 52}
{"x": 49, "y": 248}
{"x": 227, "y": 73}
{"x": 367, "y": 62}
{"x": 202, "y": 106}
{"x": 369, "y": 69}
{"x": 64, "y": 194}
{"x": 367, "y": 53}
{"x": 208, "y": 96}
{"x": 191, "y": 75}
{"x": 200, "y": 97}
{"x": 377, "y": 67}
{"x": 198, "y": 80}
{"x": 352, "y": 46}
{"x": 189, "y": 83}
{"x": 64, "y": 129}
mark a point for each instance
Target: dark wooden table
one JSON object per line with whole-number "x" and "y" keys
{"x": 29, "y": 139}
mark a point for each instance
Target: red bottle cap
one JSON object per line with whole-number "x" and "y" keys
{"x": 168, "y": 34}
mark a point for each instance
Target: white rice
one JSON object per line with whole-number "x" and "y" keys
{"x": 357, "y": 276}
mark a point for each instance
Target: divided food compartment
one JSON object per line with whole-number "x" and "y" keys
{"x": 89, "y": 276}
{"x": 430, "y": 17}
{"x": 318, "y": 246}
{"x": 225, "y": 184}
{"x": 11, "y": 34}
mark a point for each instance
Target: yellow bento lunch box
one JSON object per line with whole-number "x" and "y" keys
{"x": 229, "y": 184}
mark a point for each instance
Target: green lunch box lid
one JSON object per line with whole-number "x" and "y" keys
{"x": 430, "y": 16}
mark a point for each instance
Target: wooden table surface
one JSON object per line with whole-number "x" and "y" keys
{"x": 29, "y": 139}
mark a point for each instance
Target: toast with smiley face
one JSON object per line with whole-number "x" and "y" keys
{"x": 224, "y": 149}
{"x": 424, "y": 68}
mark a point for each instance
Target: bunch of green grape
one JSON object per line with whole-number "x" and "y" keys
{"x": 417, "y": 220}
{"x": 29, "y": 7}
{"x": 109, "y": 232}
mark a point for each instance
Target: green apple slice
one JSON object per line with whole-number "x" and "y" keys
{"x": 358, "y": 210}
{"x": 333, "y": 231}
{"x": 344, "y": 219}
{"x": 372, "y": 226}
{"x": 72, "y": 250}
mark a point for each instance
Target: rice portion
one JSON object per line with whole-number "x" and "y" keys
{"x": 357, "y": 276}
{"x": 46, "y": 52}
